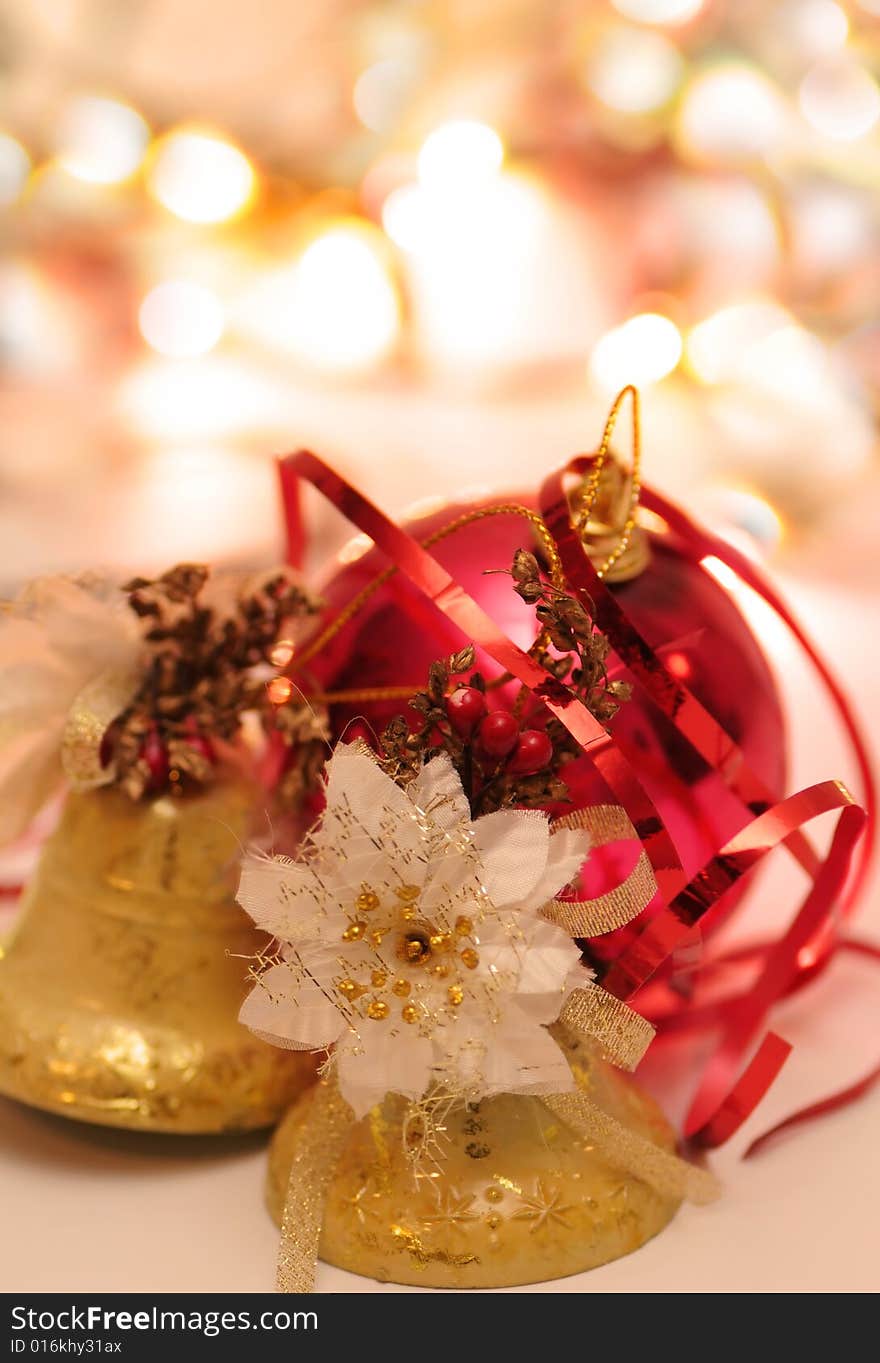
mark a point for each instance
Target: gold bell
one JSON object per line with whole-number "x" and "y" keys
{"x": 515, "y": 1195}
{"x": 120, "y": 991}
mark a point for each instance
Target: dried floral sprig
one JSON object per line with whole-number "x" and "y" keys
{"x": 522, "y": 773}
{"x": 204, "y": 669}
{"x": 502, "y": 762}
{"x": 581, "y": 648}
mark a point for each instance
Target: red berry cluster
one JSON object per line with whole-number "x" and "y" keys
{"x": 498, "y": 733}
{"x": 162, "y": 758}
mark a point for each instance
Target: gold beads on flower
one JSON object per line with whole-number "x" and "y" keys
{"x": 470, "y": 958}
{"x": 367, "y": 901}
{"x": 410, "y": 1013}
{"x": 355, "y": 931}
{"x": 440, "y": 941}
{"x": 378, "y": 979}
{"x": 408, "y": 895}
{"x": 401, "y": 988}
{"x": 350, "y": 990}
{"x": 455, "y": 994}
{"x": 464, "y": 926}
{"x": 378, "y": 1010}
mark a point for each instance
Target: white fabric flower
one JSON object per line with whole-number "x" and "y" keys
{"x": 56, "y": 638}
{"x": 411, "y": 938}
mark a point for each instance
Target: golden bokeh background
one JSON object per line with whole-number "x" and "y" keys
{"x": 430, "y": 240}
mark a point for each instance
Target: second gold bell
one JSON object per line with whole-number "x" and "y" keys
{"x": 120, "y": 990}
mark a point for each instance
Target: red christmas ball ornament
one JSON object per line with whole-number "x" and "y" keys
{"x": 533, "y": 752}
{"x": 465, "y": 708}
{"x": 683, "y": 612}
{"x": 498, "y": 734}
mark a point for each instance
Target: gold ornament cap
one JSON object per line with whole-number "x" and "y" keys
{"x": 604, "y": 513}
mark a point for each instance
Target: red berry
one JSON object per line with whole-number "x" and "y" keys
{"x": 498, "y": 733}
{"x": 155, "y": 754}
{"x": 465, "y": 708}
{"x": 105, "y": 752}
{"x": 533, "y": 751}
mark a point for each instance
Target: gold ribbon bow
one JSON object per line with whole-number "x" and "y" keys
{"x": 89, "y": 718}
{"x": 619, "y": 906}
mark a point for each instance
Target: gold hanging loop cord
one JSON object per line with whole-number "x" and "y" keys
{"x": 589, "y": 496}
{"x": 590, "y": 491}
{"x": 358, "y": 601}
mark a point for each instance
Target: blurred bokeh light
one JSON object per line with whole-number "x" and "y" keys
{"x": 433, "y": 242}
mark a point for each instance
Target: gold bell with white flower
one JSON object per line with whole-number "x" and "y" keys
{"x": 469, "y": 1130}
{"x": 514, "y": 1190}
{"x": 120, "y": 986}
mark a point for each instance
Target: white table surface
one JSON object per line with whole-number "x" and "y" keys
{"x": 88, "y": 1209}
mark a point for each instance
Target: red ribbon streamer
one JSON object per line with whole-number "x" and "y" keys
{"x": 820, "y": 1109}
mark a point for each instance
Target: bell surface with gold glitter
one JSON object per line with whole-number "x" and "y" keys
{"x": 120, "y": 988}
{"x": 516, "y": 1196}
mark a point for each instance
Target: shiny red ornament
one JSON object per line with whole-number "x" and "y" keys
{"x": 684, "y": 614}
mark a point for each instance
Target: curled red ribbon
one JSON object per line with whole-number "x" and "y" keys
{"x": 722, "y": 1101}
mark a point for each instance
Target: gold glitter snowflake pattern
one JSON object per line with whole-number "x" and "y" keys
{"x": 544, "y": 1207}
{"x": 452, "y": 1210}
{"x": 361, "y": 1204}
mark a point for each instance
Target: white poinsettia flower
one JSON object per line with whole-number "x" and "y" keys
{"x": 57, "y": 637}
{"x": 411, "y": 938}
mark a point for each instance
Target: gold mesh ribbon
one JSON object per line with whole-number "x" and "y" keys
{"x": 90, "y": 716}
{"x": 326, "y": 1126}
{"x": 593, "y": 917}
{"x": 621, "y": 1034}
{"x": 666, "y": 1173}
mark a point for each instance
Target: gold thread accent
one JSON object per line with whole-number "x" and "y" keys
{"x": 667, "y": 1174}
{"x": 350, "y": 610}
{"x": 325, "y": 1130}
{"x": 365, "y": 695}
{"x": 622, "y": 1034}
